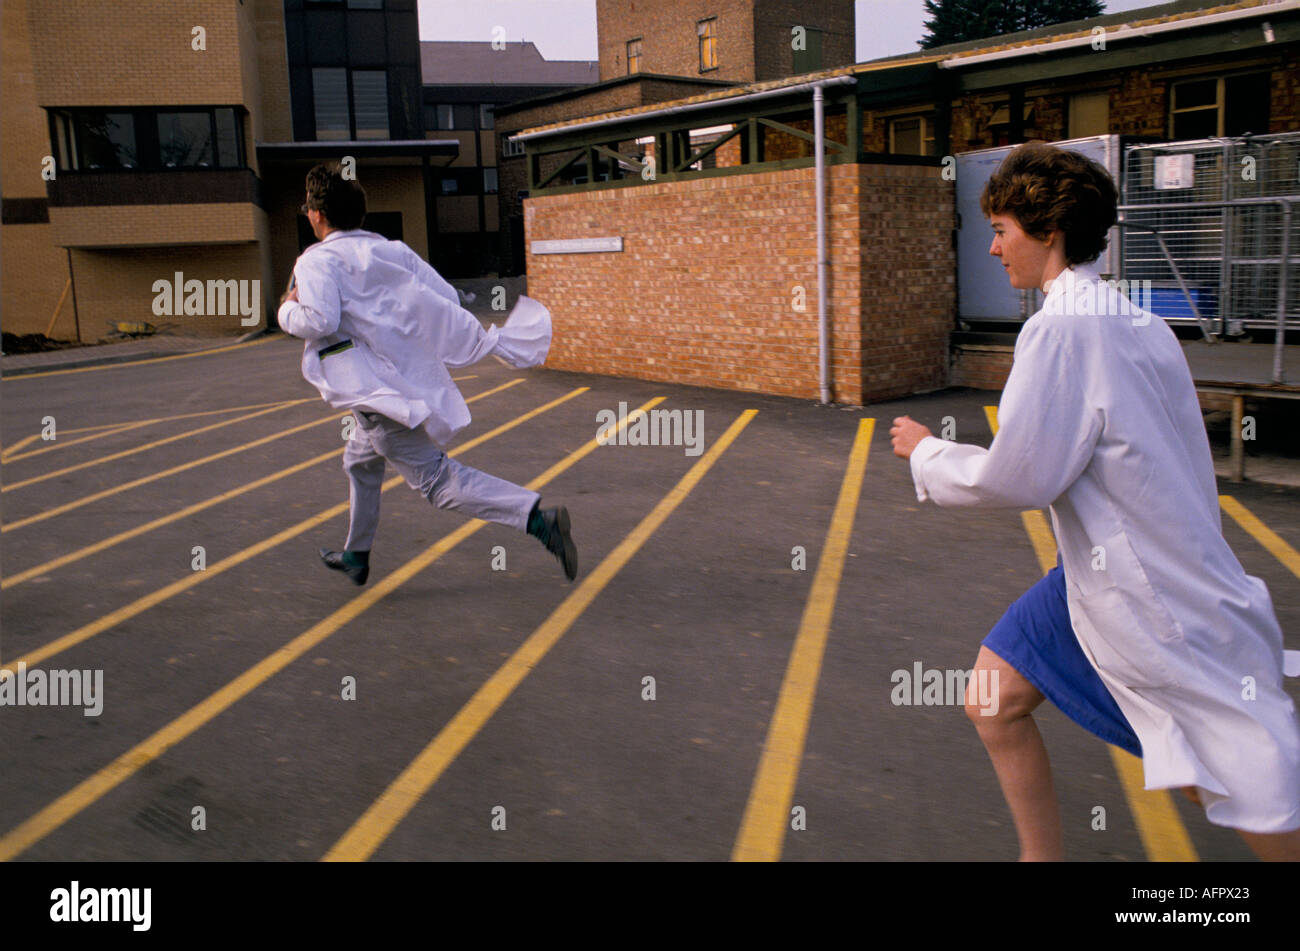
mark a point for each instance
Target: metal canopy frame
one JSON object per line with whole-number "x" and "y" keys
{"x": 598, "y": 149}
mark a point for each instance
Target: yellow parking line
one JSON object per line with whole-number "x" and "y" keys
{"x": 8, "y": 450}
{"x": 767, "y": 813}
{"x": 137, "y": 363}
{"x": 97, "y": 547}
{"x": 393, "y": 805}
{"x": 113, "y": 429}
{"x": 126, "y": 765}
{"x": 1161, "y": 829}
{"x": 142, "y": 604}
{"x": 1273, "y": 542}
{"x": 65, "y": 443}
{"x": 120, "y": 537}
{"x": 144, "y": 480}
{"x": 131, "y": 452}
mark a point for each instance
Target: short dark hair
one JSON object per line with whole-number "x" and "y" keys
{"x": 1048, "y": 189}
{"x": 341, "y": 200}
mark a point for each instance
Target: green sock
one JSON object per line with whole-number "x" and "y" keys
{"x": 536, "y": 524}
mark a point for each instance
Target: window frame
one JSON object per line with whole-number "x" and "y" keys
{"x": 711, "y": 39}
{"x": 1220, "y": 106}
{"x": 927, "y": 131}
{"x": 627, "y": 52}
{"x": 68, "y": 141}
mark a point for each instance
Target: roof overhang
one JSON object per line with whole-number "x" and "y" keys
{"x": 371, "y": 148}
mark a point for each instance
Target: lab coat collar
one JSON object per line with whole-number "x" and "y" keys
{"x": 1074, "y": 284}
{"x": 1070, "y": 276}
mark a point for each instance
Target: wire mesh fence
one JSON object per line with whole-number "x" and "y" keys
{"x": 1221, "y": 207}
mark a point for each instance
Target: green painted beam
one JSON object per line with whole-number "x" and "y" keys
{"x": 713, "y": 147}
{"x": 1216, "y": 43}
{"x": 806, "y": 136}
{"x": 800, "y": 106}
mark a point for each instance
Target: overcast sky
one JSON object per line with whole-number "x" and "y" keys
{"x": 566, "y": 29}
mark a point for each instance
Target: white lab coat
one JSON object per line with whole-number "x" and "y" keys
{"x": 406, "y": 326}
{"x": 1099, "y": 420}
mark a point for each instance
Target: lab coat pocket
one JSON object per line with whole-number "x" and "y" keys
{"x": 347, "y": 372}
{"x": 1123, "y": 634}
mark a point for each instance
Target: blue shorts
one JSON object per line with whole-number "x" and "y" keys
{"x": 1035, "y": 637}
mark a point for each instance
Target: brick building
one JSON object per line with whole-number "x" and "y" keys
{"x": 1183, "y": 70}
{"x": 731, "y": 40}
{"x": 465, "y": 85}
{"x": 183, "y": 161}
{"x": 654, "y": 51}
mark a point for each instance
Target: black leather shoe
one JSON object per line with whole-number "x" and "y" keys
{"x": 348, "y": 563}
{"x": 555, "y": 536}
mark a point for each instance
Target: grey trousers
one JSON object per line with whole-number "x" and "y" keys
{"x": 427, "y": 469}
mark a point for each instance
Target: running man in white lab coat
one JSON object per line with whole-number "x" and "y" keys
{"x": 1148, "y": 632}
{"x": 382, "y": 327}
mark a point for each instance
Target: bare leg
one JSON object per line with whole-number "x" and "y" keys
{"x": 1019, "y": 755}
{"x": 1269, "y": 847}
{"x": 1275, "y": 847}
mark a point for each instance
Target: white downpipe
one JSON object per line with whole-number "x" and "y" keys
{"x": 819, "y": 143}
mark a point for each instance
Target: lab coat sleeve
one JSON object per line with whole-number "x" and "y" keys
{"x": 319, "y": 305}
{"x": 1046, "y": 437}
{"x": 522, "y": 341}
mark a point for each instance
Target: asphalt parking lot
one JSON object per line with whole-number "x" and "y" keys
{"x": 719, "y": 681}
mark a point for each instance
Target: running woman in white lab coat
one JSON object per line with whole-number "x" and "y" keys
{"x": 382, "y": 327}
{"x": 1148, "y": 632}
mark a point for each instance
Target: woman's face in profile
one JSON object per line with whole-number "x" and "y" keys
{"x": 1024, "y": 256}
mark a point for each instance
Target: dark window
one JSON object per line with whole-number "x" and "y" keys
{"x": 386, "y": 223}
{"x": 227, "y": 139}
{"x": 1246, "y": 104}
{"x": 366, "y": 5}
{"x": 107, "y": 140}
{"x": 1232, "y": 105}
{"x": 486, "y": 118}
{"x": 330, "y": 93}
{"x": 489, "y": 181}
{"x": 185, "y": 140}
{"x": 444, "y": 117}
{"x": 147, "y": 138}
{"x": 808, "y": 59}
{"x": 450, "y": 186}
{"x": 370, "y": 96}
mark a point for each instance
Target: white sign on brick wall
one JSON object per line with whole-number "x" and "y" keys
{"x": 577, "y": 245}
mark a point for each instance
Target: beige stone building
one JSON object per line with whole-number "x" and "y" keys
{"x": 154, "y": 153}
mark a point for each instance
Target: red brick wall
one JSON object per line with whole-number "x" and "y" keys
{"x": 703, "y": 292}
{"x": 754, "y": 36}
{"x": 669, "y": 40}
{"x": 1284, "y": 109}
{"x": 981, "y": 367}
{"x": 909, "y": 284}
{"x": 775, "y": 19}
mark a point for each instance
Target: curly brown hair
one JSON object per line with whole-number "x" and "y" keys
{"x": 341, "y": 200}
{"x": 1048, "y": 189}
